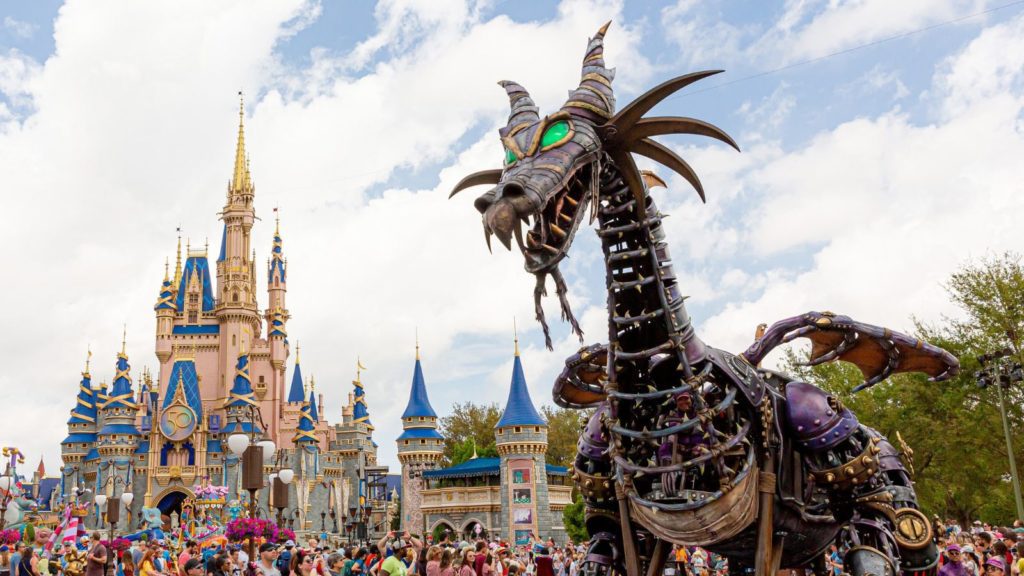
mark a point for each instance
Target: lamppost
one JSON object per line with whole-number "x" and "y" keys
{"x": 279, "y": 490}
{"x": 334, "y": 520}
{"x": 113, "y": 510}
{"x": 997, "y": 368}
{"x": 253, "y": 454}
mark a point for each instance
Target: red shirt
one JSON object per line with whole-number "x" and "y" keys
{"x": 545, "y": 567}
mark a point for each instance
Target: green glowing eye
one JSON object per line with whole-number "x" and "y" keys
{"x": 554, "y": 133}
{"x": 510, "y": 156}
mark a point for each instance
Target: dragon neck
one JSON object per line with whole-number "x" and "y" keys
{"x": 646, "y": 312}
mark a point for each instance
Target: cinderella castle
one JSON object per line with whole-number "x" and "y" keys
{"x": 222, "y": 370}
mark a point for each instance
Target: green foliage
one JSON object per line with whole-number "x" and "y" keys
{"x": 468, "y": 422}
{"x": 30, "y": 533}
{"x": 953, "y": 427}
{"x": 563, "y": 431}
{"x": 464, "y": 451}
{"x": 573, "y": 519}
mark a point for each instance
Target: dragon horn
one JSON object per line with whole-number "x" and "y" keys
{"x": 594, "y": 99}
{"x": 524, "y": 111}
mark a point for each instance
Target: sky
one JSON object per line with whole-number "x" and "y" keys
{"x": 881, "y": 152}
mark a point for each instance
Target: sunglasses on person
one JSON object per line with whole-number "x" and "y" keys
{"x": 308, "y": 559}
{"x": 954, "y": 552}
{"x": 993, "y": 569}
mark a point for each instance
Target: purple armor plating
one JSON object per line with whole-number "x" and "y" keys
{"x": 593, "y": 443}
{"x": 813, "y": 420}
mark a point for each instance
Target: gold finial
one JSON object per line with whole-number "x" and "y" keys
{"x": 245, "y": 332}
{"x": 298, "y": 349}
{"x": 417, "y": 342}
{"x": 277, "y": 221}
{"x": 305, "y": 388}
{"x": 206, "y": 244}
{"x": 167, "y": 264}
{"x": 124, "y": 338}
{"x": 515, "y": 334}
{"x": 359, "y": 369}
{"x": 312, "y": 383}
{"x": 88, "y": 357}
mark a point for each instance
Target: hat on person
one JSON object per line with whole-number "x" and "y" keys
{"x": 995, "y": 561}
{"x": 289, "y": 544}
{"x": 953, "y": 548}
{"x": 968, "y": 549}
{"x": 193, "y": 563}
{"x": 267, "y": 546}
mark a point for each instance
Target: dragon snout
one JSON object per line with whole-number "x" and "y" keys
{"x": 501, "y": 220}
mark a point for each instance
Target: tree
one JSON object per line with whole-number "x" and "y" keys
{"x": 953, "y": 427}
{"x": 574, "y": 520}
{"x": 467, "y": 448}
{"x": 468, "y": 422}
{"x": 564, "y": 426}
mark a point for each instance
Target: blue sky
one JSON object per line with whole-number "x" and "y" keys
{"x": 117, "y": 125}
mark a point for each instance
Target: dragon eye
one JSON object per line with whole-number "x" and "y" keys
{"x": 554, "y": 133}
{"x": 510, "y": 157}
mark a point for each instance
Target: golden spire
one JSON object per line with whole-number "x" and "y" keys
{"x": 239, "y": 178}
{"x": 417, "y": 343}
{"x": 177, "y": 262}
{"x": 277, "y": 221}
{"x": 298, "y": 349}
{"x": 124, "y": 338}
{"x": 515, "y": 335}
{"x": 167, "y": 264}
{"x": 88, "y": 357}
{"x": 312, "y": 383}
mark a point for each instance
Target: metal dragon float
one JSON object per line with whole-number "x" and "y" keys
{"x": 690, "y": 444}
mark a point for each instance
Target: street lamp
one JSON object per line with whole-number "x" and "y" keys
{"x": 279, "y": 492}
{"x": 997, "y": 369}
{"x": 113, "y": 509}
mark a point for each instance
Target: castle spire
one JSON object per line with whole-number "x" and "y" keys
{"x": 419, "y": 404}
{"x": 177, "y": 262}
{"x": 297, "y": 391}
{"x": 240, "y": 177}
{"x": 241, "y": 391}
{"x": 359, "y": 410}
{"x": 519, "y": 409}
{"x": 313, "y": 411}
{"x": 304, "y": 431}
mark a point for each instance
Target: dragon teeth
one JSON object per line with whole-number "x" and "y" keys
{"x": 558, "y": 231}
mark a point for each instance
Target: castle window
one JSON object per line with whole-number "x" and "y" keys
{"x": 234, "y": 297}
{"x": 423, "y": 441}
{"x": 518, "y": 429}
{"x": 193, "y": 317}
{"x": 261, "y": 379}
{"x": 536, "y": 428}
{"x": 193, "y": 298}
{"x": 276, "y": 282}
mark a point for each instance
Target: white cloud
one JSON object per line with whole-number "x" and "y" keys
{"x": 18, "y": 28}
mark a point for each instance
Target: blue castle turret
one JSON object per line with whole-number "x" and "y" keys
{"x": 314, "y": 413}
{"x": 521, "y": 437}
{"x": 420, "y": 448}
{"x": 118, "y": 408}
{"x": 82, "y": 427}
{"x": 297, "y": 391}
{"x": 240, "y": 398}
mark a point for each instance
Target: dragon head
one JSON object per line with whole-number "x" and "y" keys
{"x": 553, "y": 164}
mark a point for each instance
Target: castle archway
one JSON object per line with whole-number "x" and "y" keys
{"x": 170, "y": 502}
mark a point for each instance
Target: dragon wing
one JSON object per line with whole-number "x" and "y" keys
{"x": 878, "y": 352}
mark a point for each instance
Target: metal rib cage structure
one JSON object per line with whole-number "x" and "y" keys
{"x": 652, "y": 351}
